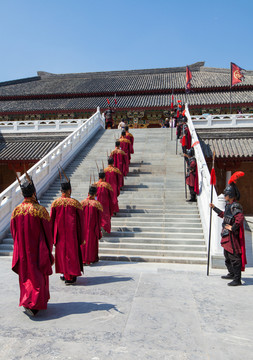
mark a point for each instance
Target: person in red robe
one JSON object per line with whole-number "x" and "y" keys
{"x": 93, "y": 211}
{"x": 130, "y": 137}
{"x": 112, "y": 176}
{"x": 105, "y": 197}
{"x": 232, "y": 234}
{"x": 125, "y": 145}
{"x": 67, "y": 221}
{"x": 120, "y": 160}
{"x": 32, "y": 253}
{"x": 192, "y": 174}
{"x": 188, "y": 137}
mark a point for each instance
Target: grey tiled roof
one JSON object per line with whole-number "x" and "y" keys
{"x": 229, "y": 143}
{"x": 130, "y": 101}
{"x": 120, "y": 81}
{"x": 27, "y": 147}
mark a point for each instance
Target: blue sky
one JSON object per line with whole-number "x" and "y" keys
{"x": 62, "y": 36}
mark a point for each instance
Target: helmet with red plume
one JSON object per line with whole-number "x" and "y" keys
{"x": 232, "y": 190}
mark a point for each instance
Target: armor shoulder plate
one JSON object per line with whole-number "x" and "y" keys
{"x": 236, "y": 208}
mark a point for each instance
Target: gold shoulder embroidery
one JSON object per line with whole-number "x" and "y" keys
{"x": 67, "y": 202}
{"x": 32, "y": 209}
{"x": 117, "y": 170}
{"x": 105, "y": 185}
{"x": 125, "y": 140}
{"x": 97, "y": 204}
{"x": 84, "y": 202}
{"x": 77, "y": 204}
{"x": 122, "y": 152}
{"x": 112, "y": 169}
{"x": 94, "y": 203}
{"x": 44, "y": 212}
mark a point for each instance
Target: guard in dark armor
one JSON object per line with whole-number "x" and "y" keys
{"x": 232, "y": 234}
{"x": 191, "y": 176}
{"x": 108, "y": 118}
{"x": 179, "y": 130}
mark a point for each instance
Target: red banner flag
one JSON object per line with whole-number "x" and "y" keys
{"x": 213, "y": 177}
{"x": 188, "y": 79}
{"x": 236, "y": 74}
{"x": 172, "y": 102}
{"x": 108, "y": 101}
{"x": 115, "y": 100}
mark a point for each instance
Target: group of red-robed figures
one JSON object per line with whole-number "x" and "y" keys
{"x": 73, "y": 227}
{"x": 183, "y": 133}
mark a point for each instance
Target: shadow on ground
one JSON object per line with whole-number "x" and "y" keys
{"x": 57, "y": 311}
{"x": 97, "y": 280}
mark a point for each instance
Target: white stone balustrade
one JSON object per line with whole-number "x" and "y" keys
{"x": 30, "y": 126}
{"x": 45, "y": 171}
{"x": 204, "y": 197}
{"x": 221, "y": 121}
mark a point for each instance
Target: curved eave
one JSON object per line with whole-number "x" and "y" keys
{"x": 123, "y": 93}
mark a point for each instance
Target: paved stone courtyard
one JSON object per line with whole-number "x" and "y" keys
{"x": 131, "y": 311}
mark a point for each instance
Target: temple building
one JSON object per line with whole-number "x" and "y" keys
{"x": 143, "y": 97}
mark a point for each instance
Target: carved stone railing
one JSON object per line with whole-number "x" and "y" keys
{"x": 220, "y": 121}
{"x": 205, "y": 197}
{"x": 45, "y": 171}
{"x": 37, "y": 126}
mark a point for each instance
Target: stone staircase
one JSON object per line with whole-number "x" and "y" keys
{"x": 155, "y": 223}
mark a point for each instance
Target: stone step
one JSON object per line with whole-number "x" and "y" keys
{"x": 7, "y": 247}
{"x": 143, "y": 252}
{"x": 128, "y": 213}
{"x": 6, "y": 252}
{"x": 134, "y": 240}
{"x": 157, "y": 229}
{"x": 161, "y": 235}
{"x": 7, "y": 240}
{"x": 159, "y": 246}
{"x": 154, "y": 210}
{"x": 131, "y": 222}
{"x": 157, "y": 259}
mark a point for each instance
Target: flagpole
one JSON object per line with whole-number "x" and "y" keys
{"x": 212, "y": 182}
{"x": 171, "y": 113}
{"x": 210, "y": 233}
{"x": 230, "y": 88}
{"x": 185, "y": 187}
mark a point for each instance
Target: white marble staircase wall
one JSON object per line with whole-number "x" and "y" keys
{"x": 45, "y": 171}
{"x": 204, "y": 200}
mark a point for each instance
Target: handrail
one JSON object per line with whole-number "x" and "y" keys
{"x": 28, "y": 126}
{"x": 45, "y": 171}
{"x": 205, "y": 194}
{"x": 219, "y": 121}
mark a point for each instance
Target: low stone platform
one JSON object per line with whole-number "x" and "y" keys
{"x": 131, "y": 311}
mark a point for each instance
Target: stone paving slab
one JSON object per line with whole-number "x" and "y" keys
{"x": 131, "y": 311}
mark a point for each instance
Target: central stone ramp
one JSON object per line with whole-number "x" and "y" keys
{"x": 155, "y": 223}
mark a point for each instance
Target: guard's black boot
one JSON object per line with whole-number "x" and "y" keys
{"x": 192, "y": 199}
{"x": 235, "y": 283}
{"x": 228, "y": 276}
